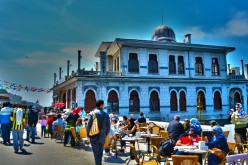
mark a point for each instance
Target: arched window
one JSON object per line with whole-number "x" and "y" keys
{"x": 217, "y": 100}
{"x": 201, "y": 101}
{"x": 154, "y": 102}
{"x": 182, "y": 101}
{"x": 173, "y": 101}
{"x": 113, "y": 102}
{"x": 90, "y": 101}
{"x": 134, "y": 102}
{"x": 237, "y": 98}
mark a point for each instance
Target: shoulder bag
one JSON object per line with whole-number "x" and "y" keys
{"x": 218, "y": 152}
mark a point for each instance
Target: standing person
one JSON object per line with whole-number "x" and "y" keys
{"x": 186, "y": 124}
{"x": 240, "y": 119}
{"x": 97, "y": 141}
{"x": 71, "y": 122}
{"x": 18, "y": 118}
{"x": 32, "y": 122}
{"x": 43, "y": 124}
{"x": 141, "y": 118}
{"x": 5, "y": 122}
{"x": 175, "y": 128}
{"x": 230, "y": 115}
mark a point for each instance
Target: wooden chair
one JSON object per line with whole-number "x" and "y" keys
{"x": 137, "y": 159}
{"x": 155, "y": 129}
{"x": 184, "y": 159}
{"x": 111, "y": 144}
{"x": 59, "y": 133}
{"x": 164, "y": 134}
{"x": 74, "y": 135}
{"x": 239, "y": 159}
{"x": 155, "y": 144}
{"x": 83, "y": 137}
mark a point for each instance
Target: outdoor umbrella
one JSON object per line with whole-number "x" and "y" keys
{"x": 59, "y": 104}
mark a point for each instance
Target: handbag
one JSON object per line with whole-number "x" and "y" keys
{"x": 218, "y": 152}
{"x": 94, "y": 130}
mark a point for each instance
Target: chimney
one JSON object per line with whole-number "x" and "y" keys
{"x": 79, "y": 60}
{"x": 60, "y": 71}
{"x": 54, "y": 77}
{"x": 246, "y": 71}
{"x": 187, "y": 38}
{"x": 228, "y": 67}
{"x": 103, "y": 62}
{"x": 68, "y": 68}
{"x": 242, "y": 64}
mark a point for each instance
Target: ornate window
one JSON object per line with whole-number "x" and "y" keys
{"x": 180, "y": 65}
{"x": 133, "y": 63}
{"x": 182, "y": 101}
{"x": 154, "y": 102}
{"x": 152, "y": 64}
{"x": 201, "y": 101}
{"x": 173, "y": 101}
{"x": 215, "y": 67}
{"x": 172, "y": 65}
{"x": 198, "y": 66}
{"x": 113, "y": 102}
{"x": 134, "y": 102}
{"x": 217, "y": 100}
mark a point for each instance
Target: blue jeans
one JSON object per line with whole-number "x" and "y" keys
{"x": 17, "y": 139}
{"x": 33, "y": 130}
{"x": 98, "y": 152}
{"x": 43, "y": 131}
{"x": 5, "y": 132}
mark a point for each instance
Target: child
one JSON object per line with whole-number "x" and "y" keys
{"x": 43, "y": 126}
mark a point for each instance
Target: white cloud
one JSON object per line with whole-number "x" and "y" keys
{"x": 196, "y": 32}
{"x": 236, "y": 26}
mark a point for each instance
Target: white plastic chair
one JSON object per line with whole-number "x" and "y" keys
{"x": 238, "y": 159}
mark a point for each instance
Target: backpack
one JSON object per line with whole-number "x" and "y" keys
{"x": 166, "y": 147}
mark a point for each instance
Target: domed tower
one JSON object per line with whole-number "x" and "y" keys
{"x": 163, "y": 33}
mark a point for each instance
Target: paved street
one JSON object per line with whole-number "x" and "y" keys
{"x": 49, "y": 152}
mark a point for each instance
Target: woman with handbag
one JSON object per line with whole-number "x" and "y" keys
{"x": 218, "y": 148}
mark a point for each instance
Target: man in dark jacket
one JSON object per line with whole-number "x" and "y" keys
{"x": 97, "y": 141}
{"x": 175, "y": 128}
{"x": 32, "y": 122}
{"x": 141, "y": 118}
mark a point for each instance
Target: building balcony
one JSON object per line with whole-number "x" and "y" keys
{"x": 236, "y": 77}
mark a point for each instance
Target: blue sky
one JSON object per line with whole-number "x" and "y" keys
{"x": 39, "y": 36}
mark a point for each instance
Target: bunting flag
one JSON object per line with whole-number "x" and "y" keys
{"x": 17, "y": 87}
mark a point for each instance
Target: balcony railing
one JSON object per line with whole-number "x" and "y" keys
{"x": 236, "y": 77}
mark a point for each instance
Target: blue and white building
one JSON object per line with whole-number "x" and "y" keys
{"x": 159, "y": 77}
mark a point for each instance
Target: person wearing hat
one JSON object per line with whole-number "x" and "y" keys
{"x": 239, "y": 118}
{"x": 219, "y": 141}
{"x": 71, "y": 122}
{"x": 188, "y": 140}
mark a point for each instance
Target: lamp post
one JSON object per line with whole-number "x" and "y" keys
{"x": 199, "y": 106}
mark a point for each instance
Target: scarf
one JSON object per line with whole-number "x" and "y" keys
{"x": 241, "y": 112}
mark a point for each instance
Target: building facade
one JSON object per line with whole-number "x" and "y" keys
{"x": 159, "y": 77}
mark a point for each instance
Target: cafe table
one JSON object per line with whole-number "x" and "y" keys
{"x": 148, "y": 136}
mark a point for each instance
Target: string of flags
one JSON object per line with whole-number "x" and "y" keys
{"x": 17, "y": 87}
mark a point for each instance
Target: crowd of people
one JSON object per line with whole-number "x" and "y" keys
{"x": 16, "y": 118}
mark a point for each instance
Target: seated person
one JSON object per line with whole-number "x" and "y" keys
{"x": 59, "y": 121}
{"x": 220, "y": 142}
{"x": 111, "y": 136}
{"x": 188, "y": 140}
{"x": 141, "y": 118}
{"x": 130, "y": 128}
{"x": 195, "y": 124}
{"x": 79, "y": 124}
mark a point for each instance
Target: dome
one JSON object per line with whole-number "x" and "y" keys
{"x": 163, "y": 33}
{"x": 3, "y": 91}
